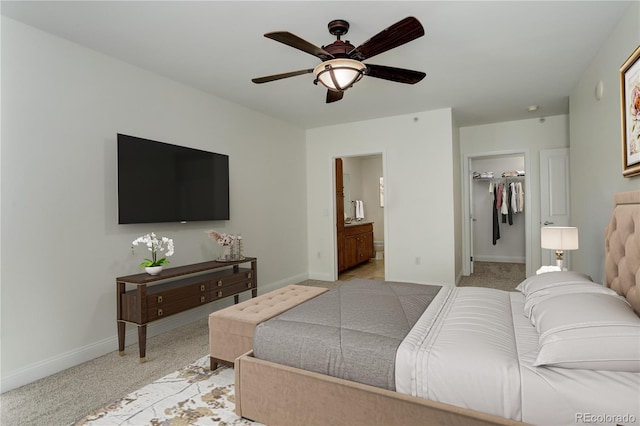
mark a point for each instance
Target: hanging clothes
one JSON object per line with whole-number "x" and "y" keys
{"x": 507, "y": 199}
{"x": 504, "y": 209}
{"x": 520, "y": 197}
{"x": 510, "y": 204}
{"x": 496, "y": 225}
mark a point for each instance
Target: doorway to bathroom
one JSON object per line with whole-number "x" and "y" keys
{"x": 360, "y": 217}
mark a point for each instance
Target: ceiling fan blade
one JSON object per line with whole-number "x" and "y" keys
{"x": 334, "y": 96}
{"x": 400, "y": 75}
{"x": 274, "y": 77}
{"x": 396, "y": 35}
{"x": 296, "y": 42}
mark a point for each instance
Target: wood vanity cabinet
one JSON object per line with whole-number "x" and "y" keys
{"x": 358, "y": 244}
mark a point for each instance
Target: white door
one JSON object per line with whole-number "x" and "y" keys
{"x": 554, "y": 195}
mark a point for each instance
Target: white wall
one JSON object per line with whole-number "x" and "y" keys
{"x": 371, "y": 174}
{"x": 418, "y": 214}
{"x": 529, "y": 136}
{"x": 457, "y": 203}
{"x": 62, "y": 106}
{"x": 596, "y": 145}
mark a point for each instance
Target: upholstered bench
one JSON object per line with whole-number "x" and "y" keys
{"x": 231, "y": 329}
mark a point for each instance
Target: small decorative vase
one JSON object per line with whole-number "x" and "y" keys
{"x": 226, "y": 253}
{"x": 153, "y": 270}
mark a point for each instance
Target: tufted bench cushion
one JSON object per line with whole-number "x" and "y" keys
{"x": 231, "y": 329}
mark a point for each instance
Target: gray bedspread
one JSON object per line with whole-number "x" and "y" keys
{"x": 351, "y": 332}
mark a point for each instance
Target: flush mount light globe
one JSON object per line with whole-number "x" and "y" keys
{"x": 339, "y": 74}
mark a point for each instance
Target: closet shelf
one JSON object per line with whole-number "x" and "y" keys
{"x": 499, "y": 178}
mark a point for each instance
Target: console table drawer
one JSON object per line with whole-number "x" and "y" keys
{"x": 241, "y": 276}
{"x": 178, "y": 305}
{"x": 193, "y": 291}
{"x": 230, "y": 290}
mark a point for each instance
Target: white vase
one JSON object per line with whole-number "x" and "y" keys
{"x": 226, "y": 252}
{"x": 153, "y": 270}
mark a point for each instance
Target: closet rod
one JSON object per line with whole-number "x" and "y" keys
{"x": 500, "y": 178}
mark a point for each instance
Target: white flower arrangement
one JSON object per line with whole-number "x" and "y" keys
{"x": 155, "y": 245}
{"x": 221, "y": 238}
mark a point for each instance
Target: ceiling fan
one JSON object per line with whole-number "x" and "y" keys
{"x": 342, "y": 65}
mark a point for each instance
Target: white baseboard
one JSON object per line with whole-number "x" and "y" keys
{"x": 46, "y": 367}
{"x": 320, "y": 277}
{"x": 500, "y": 259}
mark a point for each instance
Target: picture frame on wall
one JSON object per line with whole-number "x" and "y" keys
{"x": 630, "y": 102}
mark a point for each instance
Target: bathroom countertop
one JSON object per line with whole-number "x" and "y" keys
{"x": 354, "y": 223}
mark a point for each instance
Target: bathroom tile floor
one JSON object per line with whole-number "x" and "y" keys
{"x": 372, "y": 270}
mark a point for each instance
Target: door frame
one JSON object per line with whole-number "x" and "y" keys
{"x": 467, "y": 181}
{"x": 334, "y": 234}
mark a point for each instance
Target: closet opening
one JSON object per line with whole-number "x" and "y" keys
{"x": 496, "y": 236}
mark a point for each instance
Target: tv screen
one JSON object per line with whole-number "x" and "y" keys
{"x": 160, "y": 182}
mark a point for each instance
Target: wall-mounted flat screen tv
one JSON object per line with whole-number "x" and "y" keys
{"x": 160, "y": 182}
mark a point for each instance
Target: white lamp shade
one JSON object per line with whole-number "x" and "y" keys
{"x": 559, "y": 238}
{"x": 339, "y": 74}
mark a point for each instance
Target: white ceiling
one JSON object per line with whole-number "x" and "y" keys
{"x": 487, "y": 60}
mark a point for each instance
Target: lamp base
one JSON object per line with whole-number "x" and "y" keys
{"x": 559, "y": 259}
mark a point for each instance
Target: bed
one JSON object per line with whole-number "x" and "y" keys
{"x": 561, "y": 350}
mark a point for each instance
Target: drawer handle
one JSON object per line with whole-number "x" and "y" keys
{"x": 249, "y": 285}
{"x": 160, "y": 312}
{"x": 159, "y": 299}
{"x": 219, "y": 283}
{"x": 219, "y": 294}
{"x": 249, "y": 275}
{"x": 202, "y": 287}
{"x": 201, "y": 299}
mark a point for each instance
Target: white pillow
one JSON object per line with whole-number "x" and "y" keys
{"x": 550, "y": 279}
{"x": 592, "y": 331}
{"x": 538, "y": 295}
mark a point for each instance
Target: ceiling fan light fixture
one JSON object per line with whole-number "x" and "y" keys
{"x": 339, "y": 74}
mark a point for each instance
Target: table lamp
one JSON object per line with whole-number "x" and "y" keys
{"x": 559, "y": 238}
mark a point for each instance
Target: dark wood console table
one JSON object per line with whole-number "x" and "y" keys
{"x": 176, "y": 290}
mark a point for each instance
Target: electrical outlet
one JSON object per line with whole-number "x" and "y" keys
{"x": 319, "y": 255}
{"x": 418, "y": 260}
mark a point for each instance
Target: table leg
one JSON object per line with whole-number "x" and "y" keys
{"x": 121, "y": 334}
{"x": 254, "y": 276}
{"x": 142, "y": 342}
{"x": 120, "y": 289}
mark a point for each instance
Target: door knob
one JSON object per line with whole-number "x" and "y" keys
{"x": 547, "y": 223}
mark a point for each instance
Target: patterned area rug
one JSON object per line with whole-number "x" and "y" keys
{"x": 193, "y": 395}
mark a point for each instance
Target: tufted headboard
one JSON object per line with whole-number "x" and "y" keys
{"x": 622, "y": 247}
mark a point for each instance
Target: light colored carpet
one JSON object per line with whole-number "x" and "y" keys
{"x": 503, "y": 276}
{"x": 67, "y": 396}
